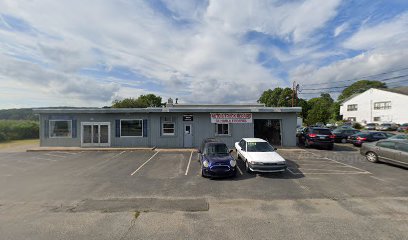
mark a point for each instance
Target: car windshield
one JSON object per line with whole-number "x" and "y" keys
{"x": 371, "y": 124}
{"x": 260, "y": 147}
{"x": 216, "y": 149}
{"x": 405, "y": 125}
{"x": 338, "y": 131}
{"x": 322, "y": 131}
{"x": 361, "y": 134}
{"x": 386, "y": 125}
{"x": 400, "y": 136}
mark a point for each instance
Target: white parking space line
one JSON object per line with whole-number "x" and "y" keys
{"x": 70, "y": 153}
{"x": 319, "y": 169}
{"x": 54, "y": 155}
{"x": 144, "y": 163}
{"x": 189, "y": 161}
{"x": 39, "y": 158}
{"x": 239, "y": 170}
{"x": 359, "y": 169}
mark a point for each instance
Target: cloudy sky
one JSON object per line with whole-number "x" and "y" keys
{"x": 88, "y": 53}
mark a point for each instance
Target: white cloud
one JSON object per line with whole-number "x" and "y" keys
{"x": 389, "y": 33}
{"x": 340, "y": 29}
{"x": 203, "y": 59}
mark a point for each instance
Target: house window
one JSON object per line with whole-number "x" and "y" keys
{"x": 352, "y": 107}
{"x": 131, "y": 128}
{"x": 168, "y": 128}
{"x": 60, "y": 128}
{"x": 222, "y": 129}
{"x": 382, "y": 105}
{"x": 377, "y": 119}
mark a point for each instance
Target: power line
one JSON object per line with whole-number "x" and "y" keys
{"x": 339, "y": 87}
{"x": 359, "y": 78}
{"x": 336, "y": 91}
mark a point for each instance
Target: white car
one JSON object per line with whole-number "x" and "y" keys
{"x": 259, "y": 156}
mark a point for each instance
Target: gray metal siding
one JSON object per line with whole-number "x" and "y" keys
{"x": 201, "y": 124}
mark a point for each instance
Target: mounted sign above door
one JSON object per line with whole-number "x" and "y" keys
{"x": 187, "y": 118}
{"x": 231, "y": 117}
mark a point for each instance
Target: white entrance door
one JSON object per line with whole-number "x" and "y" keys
{"x": 188, "y": 135}
{"x": 95, "y": 134}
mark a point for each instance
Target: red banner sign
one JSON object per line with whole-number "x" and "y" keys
{"x": 231, "y": 117}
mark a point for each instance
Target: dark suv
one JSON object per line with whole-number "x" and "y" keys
{"x": 341, "y": 134}
{"x": 216, "y": 159}
{"x": 317, "y": 136}
{"x": 359, "y": 138}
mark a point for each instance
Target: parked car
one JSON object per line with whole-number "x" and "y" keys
{"x": 399, "y": 137}
{"x": 299, "y": 131}
{"x": 259, "y": 156}
{"x": 403, "y": 127}
{"x": 341, "y": 135}
{"x": 371, "y": 126}
{"x": 392, "y": 151}
{"x": 387, "y": 127}
{"x": 316, "y": 136}
{"x": 216, "y": 159}
{"x": 359, "y": 138}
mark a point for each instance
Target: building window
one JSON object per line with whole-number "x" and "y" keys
{"x": 168, "y": 128}
{"x": 131, "y": 128}
{"x": 352, "y": 107}
{"x": 382, "y": 105}
{"x": 377, "y": 119}
{"x": 60, "y": 128}
{"x": 222, "y": 129}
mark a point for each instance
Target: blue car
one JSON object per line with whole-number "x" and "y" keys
{"x": 216, "y": 160}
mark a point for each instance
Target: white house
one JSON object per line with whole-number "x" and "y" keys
{"x": 377, "y": 105}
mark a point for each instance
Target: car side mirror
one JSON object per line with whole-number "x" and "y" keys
{"x": 275, "y": 148}
{"x": 198, "y": 150}
{"x": 231, "y": 150}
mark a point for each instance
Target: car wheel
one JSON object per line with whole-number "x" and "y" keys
{"x": 248, "y": 170}
{"x": 307, "y": 144}
{"x": 343, "y": 140}
{"x": 371, "y": 157}
{"x": 202, "y": 173}
{"x": 330, "y": 147}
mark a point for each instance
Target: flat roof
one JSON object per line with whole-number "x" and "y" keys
{"x": 184, "y": 109}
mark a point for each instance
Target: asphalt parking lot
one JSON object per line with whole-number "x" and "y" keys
{"x": 126, "y": 194}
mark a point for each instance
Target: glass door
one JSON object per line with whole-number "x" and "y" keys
{"x": 95, "y": 134}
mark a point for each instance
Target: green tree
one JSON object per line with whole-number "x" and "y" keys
{"x": 359, "y": 87}
{"x": 320, "y": 109}
{"x": 143, "y": 101}
{"x": 278, "y": 97}
{"x": 305, "y": 107}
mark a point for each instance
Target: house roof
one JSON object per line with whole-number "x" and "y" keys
{"x": 175, "y": 109}
{"x": 400, "y": 90}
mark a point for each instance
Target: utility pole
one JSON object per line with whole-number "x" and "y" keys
{"x": 295, "y": 89}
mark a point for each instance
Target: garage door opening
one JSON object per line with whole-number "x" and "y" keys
{"x": 268, "y": 129}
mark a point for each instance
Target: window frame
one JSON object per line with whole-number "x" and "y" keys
{"x": 385, "y": 105}
{"x": 168, "y": 134}
{"x": 59, "y": 120}
{"x": 352, "y": 107}
{"x": 221, "y": 134}
{"x": 120, "y": 128}
{"x": 394, "y": 148}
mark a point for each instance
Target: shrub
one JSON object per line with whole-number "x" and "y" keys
{"x": 18, "y": 129}
{"x": 357, "y": 126}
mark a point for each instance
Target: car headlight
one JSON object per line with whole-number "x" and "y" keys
{"x": 233, "y": 163}
{"x": 256, "y": 163}
{"x": 205, "y": 164}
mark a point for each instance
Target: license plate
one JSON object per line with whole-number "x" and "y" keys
{"x": 322, "y": 137}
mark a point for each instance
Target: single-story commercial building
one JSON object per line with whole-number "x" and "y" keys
{"x": 172, "y": 126}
